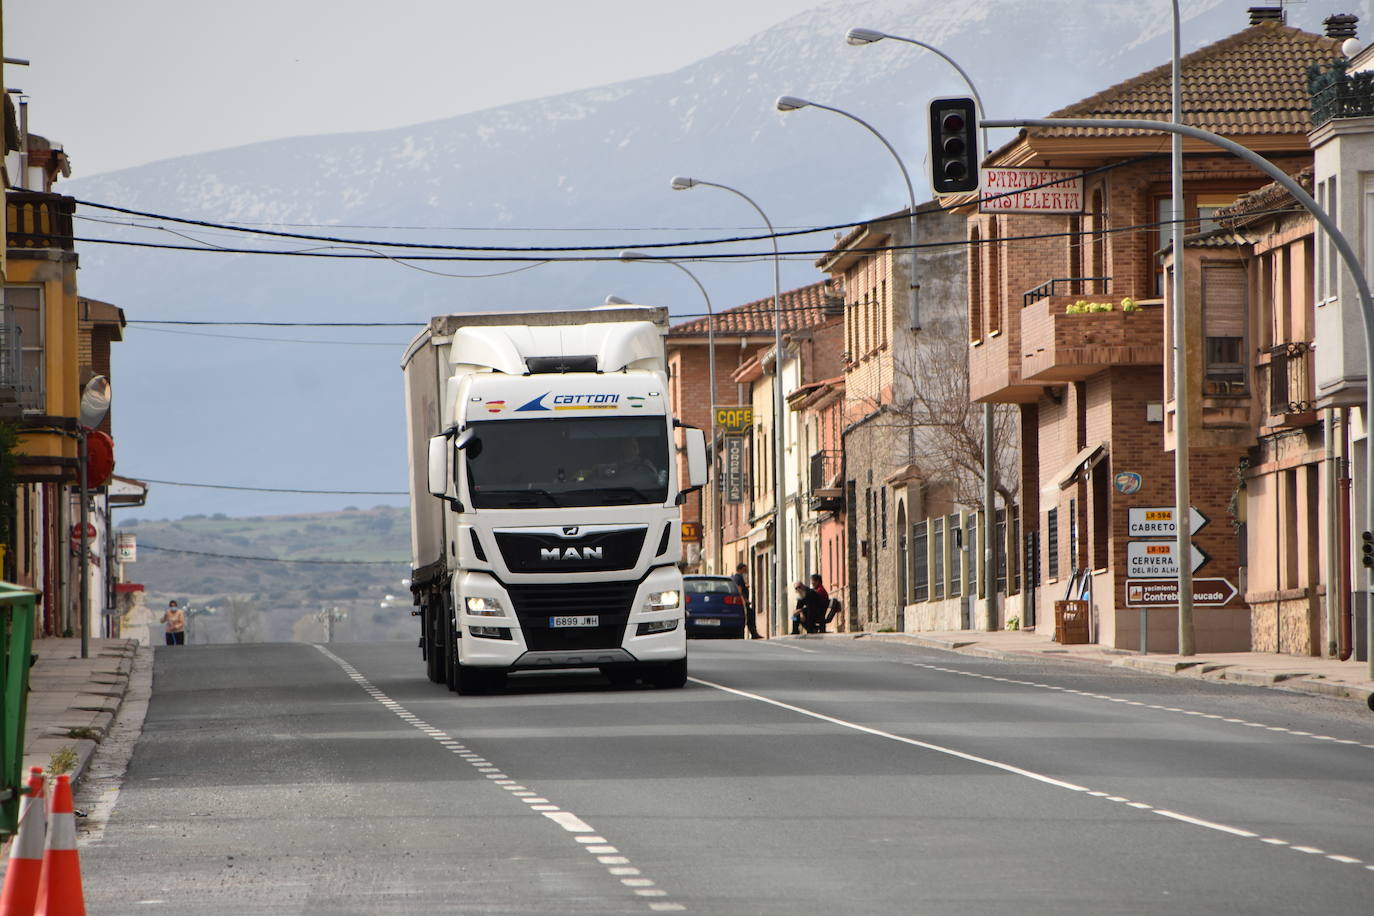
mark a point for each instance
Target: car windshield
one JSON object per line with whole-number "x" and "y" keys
{"x": 586, "y": 461}
{"x": 709, "y": 586}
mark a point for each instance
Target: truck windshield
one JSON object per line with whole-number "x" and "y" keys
{"x": 597, "y": 461}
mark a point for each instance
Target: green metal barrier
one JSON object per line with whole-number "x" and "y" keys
{"x": 16, "y": 642}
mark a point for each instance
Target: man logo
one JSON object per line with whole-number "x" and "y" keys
{"x": 569, "y": 553}
{"x": 570, "y": 531}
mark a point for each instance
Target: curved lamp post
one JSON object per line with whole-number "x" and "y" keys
{"x": 716, "y": 554}
{"x": 683, "y": 183}
{"x": 860, "y": 37}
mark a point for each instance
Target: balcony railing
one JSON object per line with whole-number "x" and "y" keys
{"x": 1065, "y": 286}
{"x": 38, "y": 220}
{"x": 1337, "y": 93}
{"x": 1287, "y": 382}
{"x": 827, "y": 469}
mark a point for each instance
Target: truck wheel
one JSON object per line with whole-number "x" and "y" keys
{"x": 434, "y": 652}
{"x": 451, "y": 658}
{"x": 672, "y": 674}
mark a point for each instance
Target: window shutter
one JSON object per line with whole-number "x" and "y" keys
{"x": 1223, "y": 301}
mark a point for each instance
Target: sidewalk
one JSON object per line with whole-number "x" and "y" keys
{"x": 73, "y": 700}
{"x": 1320, "y": 676}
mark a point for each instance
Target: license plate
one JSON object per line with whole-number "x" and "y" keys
{"x": 583, "y": 621}
{"x": 708, "y": 622}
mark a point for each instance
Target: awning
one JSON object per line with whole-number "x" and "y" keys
{"x": 759, "y": 534}
{"x": 1083, "y": 461}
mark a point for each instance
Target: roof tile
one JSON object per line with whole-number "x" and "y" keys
{"x": 803, "y": 307}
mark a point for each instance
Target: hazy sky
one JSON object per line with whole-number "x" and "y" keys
{"x": 124, "y": 82}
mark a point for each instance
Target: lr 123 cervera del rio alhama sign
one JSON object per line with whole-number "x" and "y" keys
{"x": 1030, "y": 190}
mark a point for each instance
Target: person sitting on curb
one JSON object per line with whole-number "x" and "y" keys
{"x": 810, "y": 613}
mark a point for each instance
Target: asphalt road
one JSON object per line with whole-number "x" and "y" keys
{"x": 794, "y": 777}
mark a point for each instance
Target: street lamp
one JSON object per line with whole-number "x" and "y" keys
{"x": 682, "y": 183}
{"x": 716, "y": 557}
{"x": 857, "y": 37}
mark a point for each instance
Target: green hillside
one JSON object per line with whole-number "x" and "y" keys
{"x": 246, "y": 576}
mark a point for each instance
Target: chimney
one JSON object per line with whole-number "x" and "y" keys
{"x": 1260, "y": 14}
{"x": 1340, "y": 26}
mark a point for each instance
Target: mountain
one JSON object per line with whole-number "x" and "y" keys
{"x": 587, "y": 167}
{"x": 350, "y": 562}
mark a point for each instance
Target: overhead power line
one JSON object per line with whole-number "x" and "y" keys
{"x": 719, "y": 257}
{"x": 755, "y": 237}
{"x": 223, "y": 486}
{"x": 229, "y": 556}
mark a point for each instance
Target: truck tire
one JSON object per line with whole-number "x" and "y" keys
{"x": 671, "y": 674}
{"x": 434, "y": 652}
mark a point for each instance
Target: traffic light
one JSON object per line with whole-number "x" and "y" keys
{"x": 1367, "y": 548}
{"x": 953, "y": 146}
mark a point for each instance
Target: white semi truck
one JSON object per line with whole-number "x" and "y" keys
{"x": 544, "y": 494}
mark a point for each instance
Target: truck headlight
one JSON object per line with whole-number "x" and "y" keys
{"x": 663, "y": 601}
{"x": 485, "y": 607}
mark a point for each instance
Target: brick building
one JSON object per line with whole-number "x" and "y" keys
{"x": 744, "y": 334}
{"x": 1090, "y": 382}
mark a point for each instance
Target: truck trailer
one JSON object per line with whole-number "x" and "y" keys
{"x": 544, "y": 495}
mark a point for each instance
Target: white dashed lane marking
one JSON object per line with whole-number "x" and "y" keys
{"x": 1031, "y": 774}
{"x": 617, "y": 864}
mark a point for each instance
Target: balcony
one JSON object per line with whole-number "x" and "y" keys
{"x": 1288, "y": 386}
{"x": 1059, "y": 347}
{"x": 37, "y": 220}
{"x": 827, "y": 471}
{"x": 1337, "y": 93}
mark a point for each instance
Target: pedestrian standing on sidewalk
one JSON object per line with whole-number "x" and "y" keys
{"x": 174, "y": 619}
{"x": 742, "y": 584}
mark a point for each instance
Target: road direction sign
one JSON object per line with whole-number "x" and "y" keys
{"x": 1164, "y": 592}
{"x": 1158, "y": 522}
{"x": 1158, "y": 559}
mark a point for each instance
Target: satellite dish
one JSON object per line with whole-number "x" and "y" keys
{"x": 95, "y": 401}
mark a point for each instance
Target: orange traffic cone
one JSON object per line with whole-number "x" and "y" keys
{"x": 59, "y": 884}
{"x": 26, "y": 855}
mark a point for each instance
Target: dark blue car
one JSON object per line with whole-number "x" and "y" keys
{"x": 714, "y": 607}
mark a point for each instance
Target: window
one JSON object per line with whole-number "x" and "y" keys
{"x": 882, "y": 533}
{"x": 25, "y": 307}
{"x": 937, "y": 557}
{"x": 975, "y": 555}
{"x": 1014, "y": 564}
{"x": 994, "y": 279}
{"x": 1075, "y": 242}
{"x": 956, "y": 555}
{"x": 884, "y": 312}
{"x": 1207, "y": 207}
{"x": 975, "y": 286}
{"x": 1073, "y": 536}
{"x": 1052, "y": 545}
{"x": 1099, "y": 243}
{"x": 1223, "y": 328}
{"x": 920, "y": 575}
{"x": 999, "y": 549}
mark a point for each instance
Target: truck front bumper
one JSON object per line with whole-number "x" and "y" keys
{"x": 514, "y": 631}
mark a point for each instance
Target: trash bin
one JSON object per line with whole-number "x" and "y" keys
{"x": 1071, "y": 623}
{"x": 16, "y": 642}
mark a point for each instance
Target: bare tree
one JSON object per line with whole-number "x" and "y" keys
{"x": 245, "y": 620}
{"x": 940, "y": 430}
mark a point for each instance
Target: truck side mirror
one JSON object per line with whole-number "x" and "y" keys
{"x": 438, "y": 465}
{"x": 698, "y": 470}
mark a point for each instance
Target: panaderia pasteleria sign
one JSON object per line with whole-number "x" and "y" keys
{"x": 1031, "y": 190}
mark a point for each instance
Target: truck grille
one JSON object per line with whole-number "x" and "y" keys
{"x": 595, "y": 552}
{"x": 610, "y": 601}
